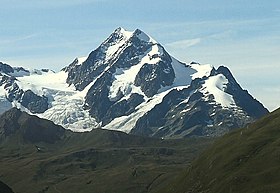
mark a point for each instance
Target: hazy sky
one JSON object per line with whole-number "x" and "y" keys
{"x": 243, "y": 35}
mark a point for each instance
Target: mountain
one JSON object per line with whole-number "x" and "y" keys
{"x": 30, "y": 128}
{"x": 12, "y": 92}
{"x": 246, "y": 160}
{"x": 50, "y": 159}
{"x": 130, "y": 83}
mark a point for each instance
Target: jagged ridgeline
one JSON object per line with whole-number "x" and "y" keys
{"x": 130, "y": 83}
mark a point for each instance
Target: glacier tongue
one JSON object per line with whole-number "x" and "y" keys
{"x": 65, "y": 103}
{"x": 67, "y": 110}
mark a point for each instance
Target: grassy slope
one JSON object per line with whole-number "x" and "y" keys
{"x": 99, "y": 161}
{"x": 4, "y": 188}
{"x": 246, "y": 160}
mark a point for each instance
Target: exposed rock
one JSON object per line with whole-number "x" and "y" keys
{"x": 6, "y": 68}
{"x": 33, "y": 102}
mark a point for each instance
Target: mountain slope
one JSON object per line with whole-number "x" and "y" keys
{"x": 130, "y": 83}
{"x": 30, "y": 128}
{"x": 246, "y": 160}
{"x": 97, "y": 161}
{"x": 4, "y": 188}
{"x": 143, "y": 90}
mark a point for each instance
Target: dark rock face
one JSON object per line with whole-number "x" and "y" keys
{"x": 14, "y": 92}
{"x": 242, "y": 98}
{"x": 132, "y": 52}
{"x": 123, "y": 107}
{"x": 199, "y": 116}
{"x": 97, "y": 97}
{"x": 33, "y": 102}
{"x": 105, "y": 109}
{"x": 156, "y": 118}
{"x": 152, "y": 77}
{"x": 95, "y": 64}
{"x": 82, "y": 75}
{"x": 31, "y": 128}
{"x": 6, "y": 68}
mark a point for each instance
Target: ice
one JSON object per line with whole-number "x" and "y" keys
{"x": 124, "y": 78}
{"x": 183, "y": 75}
{"x": 201, "y": 70}
{"x": 4, "y": 103}
{"x": 116, "y": 46}
{"x": 68, "y": 111}
{"x": 216, "y": 86}
{"x": 127, "y": 34}
{"x": 81, "y": 60}
{"x": 126, "y": 123}
{"x": 40, "y": 84}
{"x": 66, "y": 104}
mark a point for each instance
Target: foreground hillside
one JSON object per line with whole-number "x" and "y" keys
{"x": 39, "y": 156}
{"x": 246, "y": 160}
{"x": 4, "y": 188}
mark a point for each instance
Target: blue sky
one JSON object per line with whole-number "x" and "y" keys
{"x": 243, "y": 35}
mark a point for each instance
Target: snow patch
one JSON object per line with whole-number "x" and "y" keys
{"x": 216, "y": 85}
{"x": 4, "y": 103}
{"x": 81, "y": 60}
{"x": 40, "y": 84}
{"x": 115, "y": 47}
{"x": 201, "y": 70}
{"x": 183, "y": 75}
{"x": 126, "y": 123}
{"x": 66, "y": 104}
{"x": 124, "y": 78}
{"x": 127, "y": 34}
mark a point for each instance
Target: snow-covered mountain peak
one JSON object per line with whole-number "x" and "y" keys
{"x": 119, "y": 35}
{"x": 131, "y": 83}
{"x": 125, "y": 33}
{"x": 143, "y": 36}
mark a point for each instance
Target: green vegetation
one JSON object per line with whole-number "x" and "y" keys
{"x": 4, "y": 188}
{"x": 246, "y": 160}
{"x": 100, "y": 161}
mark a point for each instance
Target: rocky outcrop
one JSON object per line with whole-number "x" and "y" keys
{"x": 33, "y": 102}
{"x": 6, "y": 68}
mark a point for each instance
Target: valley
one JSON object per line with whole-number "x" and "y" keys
{"x": 96, "y": 161}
